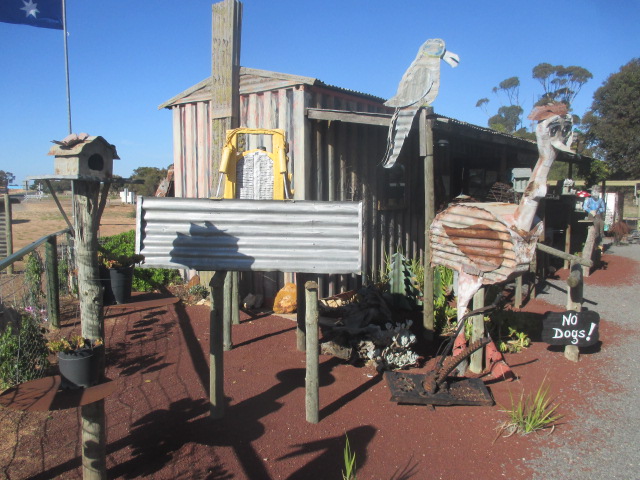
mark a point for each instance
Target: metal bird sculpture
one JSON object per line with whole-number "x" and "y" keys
{"x": 490, "y": 243}
{"x": 418, "y": 87}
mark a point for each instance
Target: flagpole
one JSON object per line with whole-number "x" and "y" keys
{"x": 66, "y": 61}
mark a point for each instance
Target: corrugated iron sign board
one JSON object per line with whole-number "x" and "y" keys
{"x": 250, "y": 235}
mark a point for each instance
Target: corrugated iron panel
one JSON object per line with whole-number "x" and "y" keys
{"x": 250, "y": 235}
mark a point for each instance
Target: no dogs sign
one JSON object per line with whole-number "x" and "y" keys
{"x": 571, "y": 328}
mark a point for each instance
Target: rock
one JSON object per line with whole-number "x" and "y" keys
{"x": 195, "y": 280}
{"x": 286, "y": 301}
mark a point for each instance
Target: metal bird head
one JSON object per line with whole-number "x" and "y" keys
{"x": 435, "y": 47}
{"x": 554, "y": 123}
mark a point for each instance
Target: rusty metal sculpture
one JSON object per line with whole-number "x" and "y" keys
{"x": 490, "y": 243}
{"x": 418, "y": 87}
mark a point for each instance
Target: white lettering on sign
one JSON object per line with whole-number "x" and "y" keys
{"x": 574, "y": 335}
{"x": 571, "y": 319}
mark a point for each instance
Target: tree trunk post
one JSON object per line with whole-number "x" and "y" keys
{"x": 53, "y": 287}
{"x": 86, "y": 213}
{"x": 311, "y": 379}
{"x": 478, "y": 332}
{"x": 216, "y": 350}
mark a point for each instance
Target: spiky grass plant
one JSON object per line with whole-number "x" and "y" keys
{"x": 530, "y": 414}
{"x": 349, "y": 472}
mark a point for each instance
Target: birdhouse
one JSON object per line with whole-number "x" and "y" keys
{"x": 83, "y": 157}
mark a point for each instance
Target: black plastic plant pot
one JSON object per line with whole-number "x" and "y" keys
{"x": 78, "y": 369}
{"x": 105, "y": 281}
{"x": 121, "y": 279}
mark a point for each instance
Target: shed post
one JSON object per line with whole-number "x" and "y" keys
{"x": 312, "y": 393}
{"x": 426, "y": 151}
{"x": 216, "y": 350}
{"x": 301, "y": 328}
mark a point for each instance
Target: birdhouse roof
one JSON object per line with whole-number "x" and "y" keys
{"x": 83, "y": 147}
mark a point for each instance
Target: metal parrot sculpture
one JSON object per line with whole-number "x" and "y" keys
{"x": 418, "y": 87}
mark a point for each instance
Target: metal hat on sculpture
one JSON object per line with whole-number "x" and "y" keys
{"x": 83, "y": 157}
{"x": 418, "y": 87}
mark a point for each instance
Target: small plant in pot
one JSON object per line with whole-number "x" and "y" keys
{"x": 120, "y": 273}
{"x": 77, "y": 360}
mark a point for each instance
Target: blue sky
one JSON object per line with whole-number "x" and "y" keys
{"x": 126, "y": 58}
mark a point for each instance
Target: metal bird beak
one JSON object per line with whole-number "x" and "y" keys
{"x": 451, "y": 58}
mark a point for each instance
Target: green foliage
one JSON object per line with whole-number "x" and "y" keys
{"x": 403, "y": 285}
{"x": 529, "y": 414}
{"x": 613, "y": 122}
{"x": 442, "y": 291}
{"x": 507, "y": 119}
{"x": 33, "y": 272}
{"x": 510, "y": 330}
{"x": 71, "y": 344}
{"x": 349, "y": 472}
{"x": 23, "y": 355}
{"x": 560, "y": 84}
{"x": 122, "y": 248}
{"x": 199, "y": 291}
{"x": 151, "y": 176}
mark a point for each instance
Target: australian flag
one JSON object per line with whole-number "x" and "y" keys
{"x": 37, "y": 13}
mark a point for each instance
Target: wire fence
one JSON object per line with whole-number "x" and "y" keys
{"x": 26, "y": 307}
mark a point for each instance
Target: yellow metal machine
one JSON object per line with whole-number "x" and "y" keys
{"x": 257, "y": 173}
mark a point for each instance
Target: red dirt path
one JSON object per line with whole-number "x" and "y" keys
{"x": 158, "y": 425}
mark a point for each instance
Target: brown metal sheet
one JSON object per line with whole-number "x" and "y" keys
{"x": 44, "y": 394}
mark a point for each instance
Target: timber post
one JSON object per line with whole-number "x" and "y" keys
{"x": 53, "y": 285}
{"x": 226, "y": 312}
{"x": 216, "y": 349}
{"x": 8, "y": 229}
{"x": 426, "y": 151}
{"x": 477, "y": 332}
{"x": 301, "y": 328}
{"x": 312, "y": 387}
{"x": 574, "y": 302}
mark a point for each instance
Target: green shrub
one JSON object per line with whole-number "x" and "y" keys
{"x": 123, "y": 245}
{"x": 23, "y": 355}
{"x": 33, "y": 273}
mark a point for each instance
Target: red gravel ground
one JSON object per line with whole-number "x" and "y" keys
{"x": 158, "y": 424}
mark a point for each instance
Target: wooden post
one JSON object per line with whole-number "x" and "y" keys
{"x": 517, "y": 298}
{"x": 225, "y": 78}
{"x": 312, "y": 392}
{"x": 478, "y": 332}
{"x": 8, "y": 229}
{"x": 53, "y": 287}
{"x": 86, "y": 213}
{"x": 226, "y": 312}
{"x": 301, "y": 328}
{"x": 216, "y": 350}
{"x": 426, "y": 151}
{"x": 235, "y": 303}
{"x": 574, "y": 302}
{"x": 567, "y": 241}
{"x": 587, "y": 250}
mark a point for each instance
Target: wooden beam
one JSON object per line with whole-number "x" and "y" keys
{"x": 312, "y": 383}
{"x": 216, "y": 349}
{"x": 347, "y": 116}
